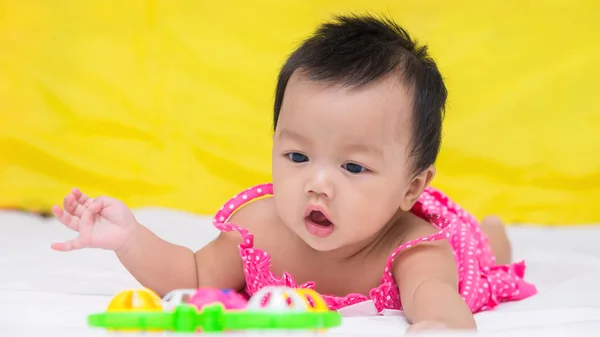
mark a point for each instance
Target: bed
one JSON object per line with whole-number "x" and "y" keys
{"x": 47, "y": 293}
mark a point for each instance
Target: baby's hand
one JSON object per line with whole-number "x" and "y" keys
{"x": 102, "y": 222}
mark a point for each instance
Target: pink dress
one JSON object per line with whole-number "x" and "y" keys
{"x": 482, "y": 283}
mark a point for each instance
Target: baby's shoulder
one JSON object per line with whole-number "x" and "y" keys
{"x": 255, "y": 215}
{"x": 419, "y": 227}
{"x": 414, "y": 228}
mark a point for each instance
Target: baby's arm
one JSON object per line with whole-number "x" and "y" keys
{"x": 163, "y": 266}
{"x": 428, "y": 281}
{"x": 107, "y": 223}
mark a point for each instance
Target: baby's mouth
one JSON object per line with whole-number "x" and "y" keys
{"x": 319, "y": 218}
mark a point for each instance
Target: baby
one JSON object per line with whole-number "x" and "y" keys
{"x": 357, "y": 128}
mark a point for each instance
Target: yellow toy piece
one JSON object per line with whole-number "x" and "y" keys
{"x": 318, "y": 301}
{"x": 135, "y": 300}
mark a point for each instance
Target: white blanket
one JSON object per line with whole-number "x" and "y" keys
{"x": 47, "y": 293}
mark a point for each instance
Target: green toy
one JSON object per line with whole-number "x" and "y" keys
{"x": 214, "y": 317}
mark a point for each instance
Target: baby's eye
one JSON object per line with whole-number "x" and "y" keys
{"x": 297, "y": 157}
{"x": 354, "y": 168}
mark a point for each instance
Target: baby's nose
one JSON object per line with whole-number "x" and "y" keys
{"x": 321, "y": 182}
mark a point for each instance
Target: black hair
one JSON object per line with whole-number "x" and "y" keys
{"x": 357, "y": 50}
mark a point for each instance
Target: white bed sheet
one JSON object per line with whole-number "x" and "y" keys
{"x": 47, "y": 293}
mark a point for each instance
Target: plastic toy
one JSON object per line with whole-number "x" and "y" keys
{"x": 284, "y": 298}
{"x": 270, "y": 308}
{"x": 174, "y": 298}
{"x": 201, "y": 297}
{"x": 135, "y": 300}
{"x": 229, "y": 298}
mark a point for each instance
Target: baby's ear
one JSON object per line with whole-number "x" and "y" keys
{"x": 416, "y": 187}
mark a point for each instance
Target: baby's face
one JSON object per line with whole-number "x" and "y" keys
{"x": 340, "y": 160}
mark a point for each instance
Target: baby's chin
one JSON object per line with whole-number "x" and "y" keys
{"x": 330, "y": 246}
{"x": 323, "y": 245}
{"x": 319, "y": 244}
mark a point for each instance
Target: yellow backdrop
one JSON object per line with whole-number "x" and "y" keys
{"x": 168, "y": 103}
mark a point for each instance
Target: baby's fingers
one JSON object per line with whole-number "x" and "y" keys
{"x": 76, "y": 202}
{"x": 67, "y": 245}
{"x": 89, "y": 217}
{"x": 65, "y": 218}
{"x": 81, "y": 198}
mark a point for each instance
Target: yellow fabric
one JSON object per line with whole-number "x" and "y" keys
{"x": 164, "y": 103}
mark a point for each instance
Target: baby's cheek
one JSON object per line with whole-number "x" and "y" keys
{"x": 285, "y": 204}
{"x": 374, "y": 212}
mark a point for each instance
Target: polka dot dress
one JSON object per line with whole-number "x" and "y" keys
{"x": 482, "y": 283}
